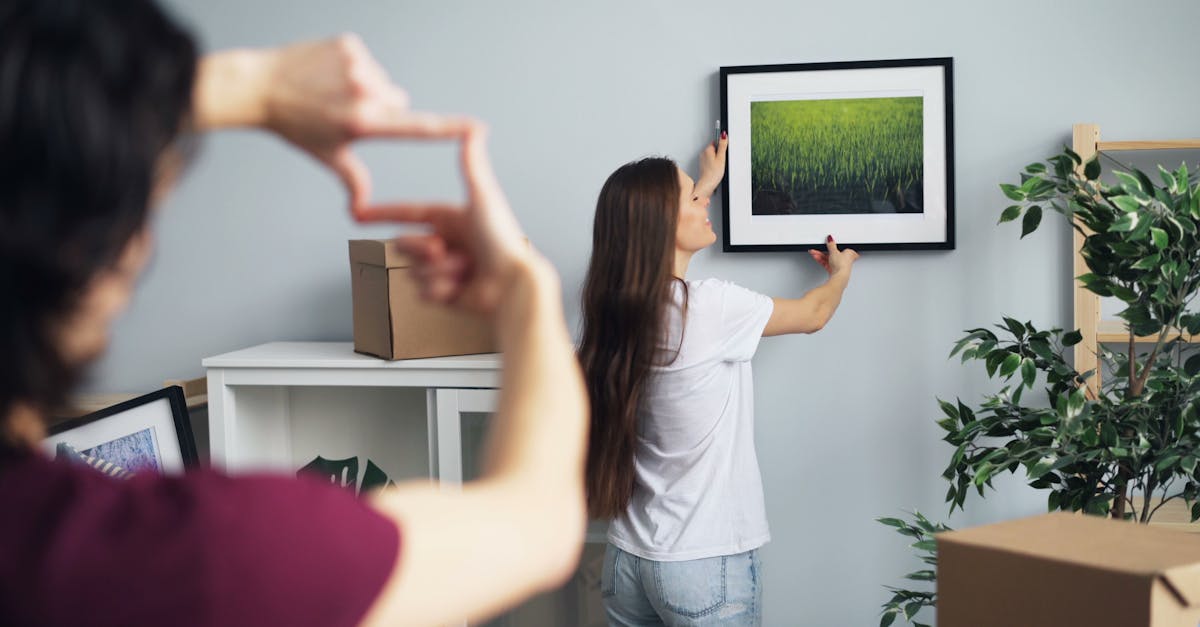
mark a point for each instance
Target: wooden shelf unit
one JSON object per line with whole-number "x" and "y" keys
{"x": 1115, "y": 331}
{"x": 1085, "y": 140}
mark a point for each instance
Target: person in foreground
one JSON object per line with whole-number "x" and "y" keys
{"x": 671, "y": 458}
{"x": 98, "y": 102}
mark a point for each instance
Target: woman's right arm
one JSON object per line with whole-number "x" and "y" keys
{"x": 519, "y": 529}
{"x": 811, "y": 312}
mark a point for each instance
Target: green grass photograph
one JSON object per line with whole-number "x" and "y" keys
{"x": 837, "y": 156}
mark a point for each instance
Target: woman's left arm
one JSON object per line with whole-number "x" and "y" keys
{"x": 320, "y": 96}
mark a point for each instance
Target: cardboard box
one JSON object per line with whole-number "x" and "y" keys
{"x": 390, "y": 319}
{"x": 1068, "y": 569}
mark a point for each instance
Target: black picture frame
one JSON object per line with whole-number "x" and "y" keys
{"x": 745, "y": 231}
{"x": 110, "y": 417}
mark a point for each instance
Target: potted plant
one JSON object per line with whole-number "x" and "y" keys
{"x": 1129, "y": 446}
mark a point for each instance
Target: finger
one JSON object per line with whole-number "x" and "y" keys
{"x": 481, "y": 179}
{"x": 423, "y": 248}
{"x": 722, "y": 145}
{"x": 390, "y": 117}
{"x": 831, "y": 245}
{"x": 354, "y": 176}
{"x": 442, "y": 289}
{"x": 407, "y": 212}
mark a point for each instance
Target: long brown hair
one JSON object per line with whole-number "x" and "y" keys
{"x": 625, "y": 299}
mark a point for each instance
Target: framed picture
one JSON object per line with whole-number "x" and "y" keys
{"x": 863, "y": 151}
{"x": 149, "y": 433}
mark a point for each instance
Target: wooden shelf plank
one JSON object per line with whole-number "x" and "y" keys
{"x": 1165, "y": 144}
{"x": 1115, "y": 331}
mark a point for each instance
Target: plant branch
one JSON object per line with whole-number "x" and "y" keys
{"x": 1164, "y": 502}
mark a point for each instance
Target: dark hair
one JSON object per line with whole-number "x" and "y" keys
{"x": 93, "y": 93}
{"x": 625, "y": 299}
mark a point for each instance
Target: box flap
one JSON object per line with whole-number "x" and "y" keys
{"x": 1184, "y": 581}
{"x": 377, "y": 252}
{"x": 1094, "y": 542}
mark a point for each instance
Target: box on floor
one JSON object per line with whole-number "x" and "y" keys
{"x": 1068, "y": 569}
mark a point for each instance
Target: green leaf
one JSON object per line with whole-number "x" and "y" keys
{"x": 1010, "y": 364}
{"x": 1036, "y": 168}
{"x": 1010, "y": 213}
{"x": 1126, "y": 204}
{"x": 1168, "y": 179}
{"x": 948, "y": 409}
{"x": 912, "y": 608}
{"x": 1033, "y": 217}
{"x": 891, "y": 522}
{"x": 1124, "y": 224}
{"x": 1091, "y": 170}
{"x": 1148, "y": 262}
{"x": 1072, "y": 338}
{"x": 1123, "y": 293}
{"x": 1129, "y": 182}
{"x": 1159, "y": 236}
{"x": 925, "y": 545}
{"x": 1192, "y": 365}
{"x": 887, "y": 619}
{"x": 1028, "y": 372}
{"x": 1191, "y": 322}
{"x": 922, "y": 575}
{"x": 1012, "y": 191}
{"x": 1075, "y": 403}
{"x": 1108, "y": 434}
{"x": 1166, "y": 462}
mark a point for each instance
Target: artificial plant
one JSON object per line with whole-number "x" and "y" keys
{"x": 1128, "y": 446}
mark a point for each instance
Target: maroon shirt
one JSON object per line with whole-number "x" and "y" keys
{"x": 79, "y": 548}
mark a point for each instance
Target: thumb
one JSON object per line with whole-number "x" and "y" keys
{"x": 723, "y": 145}
{"x": 354, "y": 176}
{"x": 831, "y": 245}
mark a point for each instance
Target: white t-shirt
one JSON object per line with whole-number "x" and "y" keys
{"x": 697, "y": 491}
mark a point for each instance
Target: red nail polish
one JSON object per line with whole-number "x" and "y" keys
{"x": 828, "y": 238}
{"x": 724, "y": 135}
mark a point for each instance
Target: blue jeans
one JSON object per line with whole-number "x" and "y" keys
{"x": 712, "y": 591}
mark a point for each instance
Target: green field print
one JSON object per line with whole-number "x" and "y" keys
{"x": 837, "y": 156}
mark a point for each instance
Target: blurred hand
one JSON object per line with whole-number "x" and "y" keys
{"x": 832, "y": 259}
{"x": 712, "y": 166}
{"x": 321, "y": 96}
{"x": 471, "y": 253}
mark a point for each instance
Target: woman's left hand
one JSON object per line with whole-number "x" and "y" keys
{"x": 712, "y": 166}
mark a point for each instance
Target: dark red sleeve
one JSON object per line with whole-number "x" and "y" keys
{"x": 205, "y": 549}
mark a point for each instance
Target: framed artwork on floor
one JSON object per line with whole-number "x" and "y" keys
{"x": 147, "y": 434}
{"x": 863, "y": 151}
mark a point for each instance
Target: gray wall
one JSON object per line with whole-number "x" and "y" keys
{"x": 252, "y": 247}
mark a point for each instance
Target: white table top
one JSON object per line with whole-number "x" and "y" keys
{"x": 338, "y": 355}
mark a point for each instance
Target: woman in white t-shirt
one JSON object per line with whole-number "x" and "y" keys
{"x": 671, "y": 457}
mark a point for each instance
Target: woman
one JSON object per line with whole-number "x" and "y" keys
{"x": 97, "y": 101}
{"x": 667, "y": 364}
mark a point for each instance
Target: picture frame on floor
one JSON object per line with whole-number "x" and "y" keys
{"x": 147, "y": 434}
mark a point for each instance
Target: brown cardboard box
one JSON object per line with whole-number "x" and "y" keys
{"x": 390, "y": 319}
{"x": 1068, "y": 569}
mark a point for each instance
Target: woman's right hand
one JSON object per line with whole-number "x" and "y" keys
{"x": 834, "y": 260}
{"x": 472, "y": 254}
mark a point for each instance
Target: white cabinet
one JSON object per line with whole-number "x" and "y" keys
{"x": 277, "y": 406}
